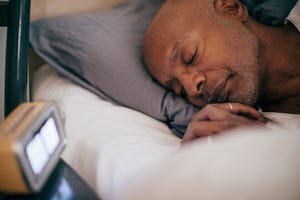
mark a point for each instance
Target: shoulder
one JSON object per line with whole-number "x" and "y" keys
{"x": 294, "y": 16}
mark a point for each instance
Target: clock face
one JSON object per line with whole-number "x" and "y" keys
{"x": 42, "y": 146}
{"x": 34, "y": 139}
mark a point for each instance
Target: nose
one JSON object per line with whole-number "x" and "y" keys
{"x": 193, "y": 84}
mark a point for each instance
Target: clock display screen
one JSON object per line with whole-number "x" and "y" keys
{"x": 42, "y": 145}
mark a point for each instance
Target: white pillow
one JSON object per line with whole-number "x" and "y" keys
{"x": 245, "y": 163}
{"x": 108, "y": 145}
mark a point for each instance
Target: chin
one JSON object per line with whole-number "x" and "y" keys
{"x": 245, "y": 89}
{"x": 249, "y": 98}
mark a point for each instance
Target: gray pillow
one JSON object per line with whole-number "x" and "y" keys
{"x": 102, "y": 52}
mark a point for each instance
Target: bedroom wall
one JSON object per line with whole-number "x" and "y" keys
{"x": 46, "y": 8}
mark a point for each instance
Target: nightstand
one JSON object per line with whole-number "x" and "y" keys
{"x": 63, "y": 184}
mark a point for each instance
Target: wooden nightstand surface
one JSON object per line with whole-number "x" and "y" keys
{"x": 63, "y": 184}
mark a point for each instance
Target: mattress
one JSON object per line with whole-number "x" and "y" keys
{"x": 124, "y": 154}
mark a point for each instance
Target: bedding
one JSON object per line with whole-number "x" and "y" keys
{"x": 125, "y": 154}
{"x": 102, "y": 52}
{"x": 114, "y": 142}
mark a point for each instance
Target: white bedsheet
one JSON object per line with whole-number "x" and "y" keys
{"x": 124, "y": 154}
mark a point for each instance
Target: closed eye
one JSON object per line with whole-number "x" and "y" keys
{"x": 192, "y": 59}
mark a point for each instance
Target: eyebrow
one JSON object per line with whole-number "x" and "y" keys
{"x": 174, "y": 53}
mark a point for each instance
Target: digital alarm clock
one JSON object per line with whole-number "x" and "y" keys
{"x": 31, "y": 142}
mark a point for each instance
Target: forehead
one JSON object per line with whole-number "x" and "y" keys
{"x": 176, "y": 20}
{"x": 160, "y": 48}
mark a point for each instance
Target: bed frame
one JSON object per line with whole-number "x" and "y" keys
{"x": 15, "y": 15}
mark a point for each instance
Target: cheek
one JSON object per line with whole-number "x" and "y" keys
{"x": 234, "y": 53}
{"x": 216, "y": 53}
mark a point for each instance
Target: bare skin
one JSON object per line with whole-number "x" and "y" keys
{"x": 212, "y": 52}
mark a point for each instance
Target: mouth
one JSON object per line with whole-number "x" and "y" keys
{"x": 220, "y": 94}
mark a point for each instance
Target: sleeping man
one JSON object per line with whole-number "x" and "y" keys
{"x": 215, "y": 55}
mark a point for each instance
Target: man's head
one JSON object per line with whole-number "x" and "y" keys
{"x": 202, "y": 50}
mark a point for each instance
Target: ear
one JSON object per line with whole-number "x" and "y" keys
{"x": 232, "y": 7}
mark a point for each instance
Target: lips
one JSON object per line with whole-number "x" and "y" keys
{"x": 219, "y": 93}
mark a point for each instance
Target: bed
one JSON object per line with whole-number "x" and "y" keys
{"x": 123, "y": 152}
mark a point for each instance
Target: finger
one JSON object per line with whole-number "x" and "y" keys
{"x": 206, "y": 128}
{"x": 240, "y": 109}
{"x": 203, "y": 128}
{"x": 211, "y": 112}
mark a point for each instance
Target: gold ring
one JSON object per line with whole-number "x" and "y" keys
{"x": 230, "y": 106}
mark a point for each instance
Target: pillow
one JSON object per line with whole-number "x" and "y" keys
{"x": 102, "y": 52}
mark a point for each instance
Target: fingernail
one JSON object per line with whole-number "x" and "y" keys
{"x": 262, "y": 119}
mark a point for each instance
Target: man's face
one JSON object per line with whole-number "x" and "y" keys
{"x": 202, "y": 55}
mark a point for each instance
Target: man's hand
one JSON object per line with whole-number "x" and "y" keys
{"x": 214, "y": 118}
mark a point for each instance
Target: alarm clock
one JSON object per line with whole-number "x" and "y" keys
{"x": 31, "y": 142}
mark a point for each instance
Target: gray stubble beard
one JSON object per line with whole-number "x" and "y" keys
{"x": 245, "y": 55}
